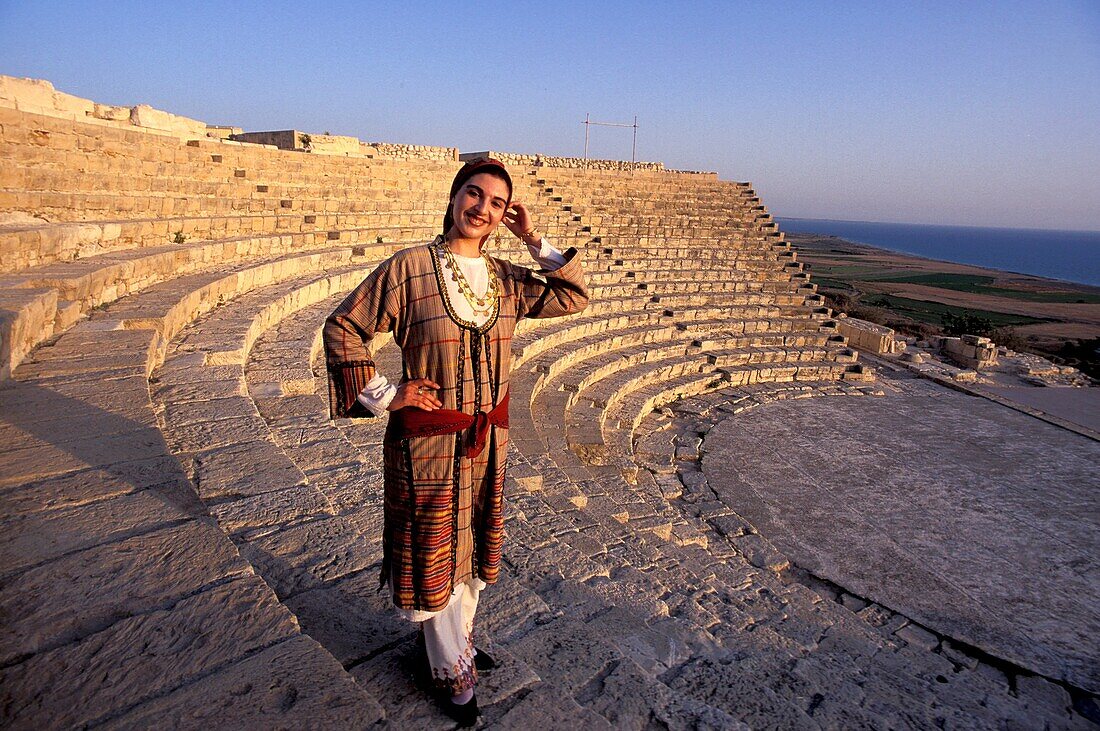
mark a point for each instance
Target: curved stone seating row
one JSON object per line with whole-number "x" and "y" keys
{"x": 594, "y": 389}
{"x": 671, "y": 222}
{"x": 704, "y": 325}
{"x": 25, "y": 179}
{"x": 92, "y": 283}
{"x": 34, "y": 243}
{"x": 112, "y": 565}
{"x": 45, "y": 300}
{"x": 645, "y": 336}
{"x": 734, "y": 618}
{"x": 642, "y": 249}
{"x": 980, "y": 695}
{"x": 591, "y": 621}
{"x": 682, "y": 313}
{"x": 39, "y": 303}
{"x": 321, "y": 549}
{"x": 629, "y": 407}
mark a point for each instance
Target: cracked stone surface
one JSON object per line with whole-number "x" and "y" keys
{"x": 980, "y": 521}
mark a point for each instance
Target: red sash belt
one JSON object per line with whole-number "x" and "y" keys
{"x": 411, "y": 421}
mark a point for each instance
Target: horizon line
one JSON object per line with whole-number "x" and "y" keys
{"x": 943, "y": 225}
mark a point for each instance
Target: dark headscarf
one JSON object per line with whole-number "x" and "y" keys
{"x": 470, "y": 169}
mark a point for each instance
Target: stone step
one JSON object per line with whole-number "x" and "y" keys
{"x": 650, "y": 343}
{"x": 609, "y": 317}
{"x": 37, "y": 307}
{"x": 134, "y": 571}
{"x": 292, "y": 331}
{"x": 617, "y": 431}
{"x": 597, "y": 388}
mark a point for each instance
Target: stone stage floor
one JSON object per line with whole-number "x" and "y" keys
{"x": 978, "y": 521}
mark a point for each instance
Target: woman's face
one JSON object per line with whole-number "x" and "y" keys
{"x": 479, "y": 206}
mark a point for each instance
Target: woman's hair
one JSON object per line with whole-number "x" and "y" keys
{"x": 474, "y": 167}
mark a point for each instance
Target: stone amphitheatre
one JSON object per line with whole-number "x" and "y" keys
{"x": 720, "y": 515}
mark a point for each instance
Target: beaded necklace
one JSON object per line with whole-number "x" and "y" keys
{"x": 480, "y": 305}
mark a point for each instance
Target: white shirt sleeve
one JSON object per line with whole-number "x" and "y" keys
{"x": 377, "y": 394}
{"x": 546, "y": 256}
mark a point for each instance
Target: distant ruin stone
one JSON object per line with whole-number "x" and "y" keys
{"x": 970, "y": 351}
{"x": 144, "y": 115}
{"x": 869, "y": 336}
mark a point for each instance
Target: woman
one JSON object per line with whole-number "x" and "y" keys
{"x": 452, "y": 310}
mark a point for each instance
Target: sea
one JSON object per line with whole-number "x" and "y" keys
{"x": 1072, "y": 256}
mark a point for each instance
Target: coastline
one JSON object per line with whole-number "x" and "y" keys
{"x": 944, "y": 225}
{"x": 801, "y": 239}
{"x": 913, "y": 294}
{"x": 1062, "y": 255}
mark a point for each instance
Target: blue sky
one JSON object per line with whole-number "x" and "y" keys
{"x": 957, "y": 113}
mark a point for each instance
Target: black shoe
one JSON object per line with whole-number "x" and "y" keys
{"x": 465, "y": 714}
{"x": 483, "y": 661}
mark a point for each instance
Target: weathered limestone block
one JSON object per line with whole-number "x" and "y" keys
{"x": 305, "y": 556}
{"x": 970, "y": 351}
{"x": 653, "y": 650}
{"x": 350, "y": 617}
{"x": 510, "y": 609}
{"x": 293, "y": 684}
{"x": 751, "y": 688}
{"x": 547, "y": 707}
{"x": 568, "y": 651}
{"x": 918, "y": 637}
{"x": 84, "y": 592}
{"x": 44, "y": 535}
{"x": 760, "y": 552}
{"x": 869, "y": 336}
{"x": 258, "y": 515}
{"x": 39, "y": 96}
{"x": 111, "y": 113}
{"x": 144, "y": 115}
{"x": 244, "y": 469}
{"x": 26, "y": 319}
{"x": 143, "y": 656}
{"x": 44, "y": 459}
{"x": 526, "y": 477}
{"x": 201, "y": 435}
{"x": 58, "y": 492}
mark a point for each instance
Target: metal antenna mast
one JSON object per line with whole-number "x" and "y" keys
{"x": 633, "y": 149}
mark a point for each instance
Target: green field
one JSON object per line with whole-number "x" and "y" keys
{"x": 932, "y": 312}
{"x": 849, "y": 272}
{"x": 978, "y": 284}
{"x": 833, "y": 283}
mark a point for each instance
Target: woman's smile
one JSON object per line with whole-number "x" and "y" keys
{"x": 479, "y": 206}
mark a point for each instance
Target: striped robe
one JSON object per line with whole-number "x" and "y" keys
{"x": 444, "y": 514}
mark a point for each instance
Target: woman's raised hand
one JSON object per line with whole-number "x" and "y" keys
{"x": 518, "y": 220}
{"x": 418, "y": 393}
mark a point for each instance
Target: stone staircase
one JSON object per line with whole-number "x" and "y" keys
{"x": 189, "y": 540}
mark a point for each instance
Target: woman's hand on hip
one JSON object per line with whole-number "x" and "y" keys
{"x": 418, "y": 393}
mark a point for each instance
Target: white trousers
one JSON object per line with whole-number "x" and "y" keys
{"x": 449, "y": 640}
